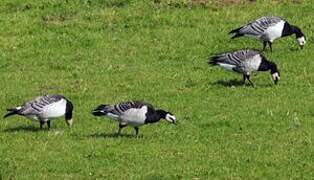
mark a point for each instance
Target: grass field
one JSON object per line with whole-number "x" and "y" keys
{"x": 107, "y": 51}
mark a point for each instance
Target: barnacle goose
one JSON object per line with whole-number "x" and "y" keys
{"x": 45, "y": 108}
{"x": 246, "y": 61}
{"x": 269, "y": 29}
{"x": 133, "y": 113}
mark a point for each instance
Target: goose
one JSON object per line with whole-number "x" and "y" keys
{"x": 268, "y": 29}
{"x": 45, "y": 108}
{"x": 246, "y": 61}
{"x": 133, "y": 113}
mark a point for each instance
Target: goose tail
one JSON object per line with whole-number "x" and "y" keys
{"x": 101, "y": 110}
{"x": 12, "y": 111}
{"x": 236, "y": 32}
{"x": 213, "y": 60}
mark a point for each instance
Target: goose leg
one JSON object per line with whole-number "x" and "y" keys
{"x": 42, "y": 124}
{"x": 121, "y": 126}
{"x": 136, "y": 131}
{"x": 270, "y": 46}
{"x": 48, "y": 124}
{"x": 244, "y": 78}
{"x": 264, "y": 43}
{"x": 248, "y": 78}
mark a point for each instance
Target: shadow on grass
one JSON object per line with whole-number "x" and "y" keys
{"x": 113, "y": 135}
{"x": 295, "y": 49}
{"x": 238, "y": 83}
{"x": 23, "y": 128}
{"x": 229, "y": 83}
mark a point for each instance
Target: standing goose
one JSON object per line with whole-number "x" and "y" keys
{"x": 269, "y": 29}
{"x": 246, "y": 61}
{"x": 45, "y": 108}
{"x": 133, "y": 113}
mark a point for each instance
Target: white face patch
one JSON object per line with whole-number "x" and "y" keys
{"x": 301, "y": 41}
{"x": 69, "y": 122}
{"x": 170, "y": 118}
{"x": 275, "y": 76}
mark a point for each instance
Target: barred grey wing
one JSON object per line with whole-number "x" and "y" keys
{"x": 258, "y": 27}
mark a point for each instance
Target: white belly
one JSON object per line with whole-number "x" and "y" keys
{"x": 254, "y": 36}
{"x": 274, "y": 32}
{"x": 32, "y": 117}
{"x": 36, "y": 118}
{"x": 134, "y": 117}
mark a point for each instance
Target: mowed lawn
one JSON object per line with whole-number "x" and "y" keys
{"x": 107, "y": 51}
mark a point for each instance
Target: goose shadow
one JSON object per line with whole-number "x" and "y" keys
{"x": 23, "y": 128}
{"x": 295, "y": 49}
{"x": 238, "y": 83}
{"x": 230, "y": 83}
{"x": 113, "y": 135}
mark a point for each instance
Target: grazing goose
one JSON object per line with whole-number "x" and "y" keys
{"x": 133, "y": 113}
{"x": 246, "y": 61}
{"x": 269, "y": 29}
{"x": 44, "y": 108}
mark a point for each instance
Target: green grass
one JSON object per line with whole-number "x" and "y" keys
{"x": 99, "y": 51}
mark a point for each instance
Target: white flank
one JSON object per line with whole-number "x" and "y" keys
{"x": 254, "y": 62}
{"x": 274, "y": 32}
{"x": 54, "y": 110}
{"x": 134, "y": 117}
{"x": 227, "y": 66}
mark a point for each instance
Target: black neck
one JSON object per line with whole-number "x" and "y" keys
{"x": 291, "y": 29}
{"x": 267, "y": 65}
{"x": 297, "y": 31}
{"x": 153, "y": 116}
{"x": 68, "y": 110}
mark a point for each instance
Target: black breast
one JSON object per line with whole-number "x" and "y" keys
{"x": 151, "y": 115}
{"x": 287, "y": 30}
